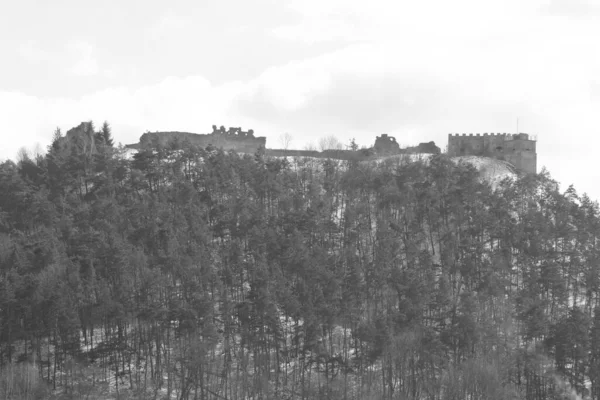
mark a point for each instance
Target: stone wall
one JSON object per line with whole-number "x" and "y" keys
{"x": 423, "y": 148}
{"x": 385, "y": 145}
{"x": 359, "y": 155}
{"x": 518, "y": 149}
{"x": 230, "y": 140}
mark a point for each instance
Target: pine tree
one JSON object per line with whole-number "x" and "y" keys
{"x": 104, "y": 135}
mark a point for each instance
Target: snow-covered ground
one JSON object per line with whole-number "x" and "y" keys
{"x": 491, "y": 169}
{"x": 129, "y": 153}
{"x": 405, "y": 158}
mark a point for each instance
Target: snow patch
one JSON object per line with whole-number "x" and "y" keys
{"x": 492, "y": 170}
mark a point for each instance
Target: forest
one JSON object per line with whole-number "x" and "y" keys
{"x": 193, "y": 273}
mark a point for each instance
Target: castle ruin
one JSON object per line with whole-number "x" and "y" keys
{"x": 385, "y": 144}
{"x": 517, "y": 149}
{"x": 226, "y": 139}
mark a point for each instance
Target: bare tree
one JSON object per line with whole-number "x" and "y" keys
{"x": 330, "y": 143}
{"x": 285, "y": 139}
{"x": 23, "y": 155}
{"x": 310, "y": 147}
{"x": 37, "y": 151}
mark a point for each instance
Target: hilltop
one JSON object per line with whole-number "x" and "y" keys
{"x": 496, "y": 156}
{"x": 231, "y": 139}
{"x": 189, "y": 272}
{"x": 385, "y": 148}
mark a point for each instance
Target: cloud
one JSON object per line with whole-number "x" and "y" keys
{"x": 376, "y": 20}
{"x": 20, "y": 122}
{"x": 290, "y": 86}
{"x": 424, "y": 69}
{"x": 169, "y": 25}
{"x": 186, "y": 104}
{"x": 76, "y": 57}
{"x": 33, "y": 52}
{"x": 572, "y": 8}
{"x": 416, "y": 70}
{"x": 85, "y": 62}
{"x": 320, "y": 30}
{"x": 426, "y": 58}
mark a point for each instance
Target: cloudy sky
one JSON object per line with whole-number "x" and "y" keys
{"x": 417, "y": 70}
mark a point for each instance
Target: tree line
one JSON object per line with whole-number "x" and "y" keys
{"x": 194, "y": 273}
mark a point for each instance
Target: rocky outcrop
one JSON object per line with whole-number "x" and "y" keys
{"x": 81, "y": 139}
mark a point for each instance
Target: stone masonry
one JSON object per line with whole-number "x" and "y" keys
{"x": 518, "y": 149}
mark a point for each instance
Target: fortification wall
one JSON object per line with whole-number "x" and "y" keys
{"x": 243, "y": 144}
{"x": 518, "y": 149}
{"x": 360, "y": 155}
{"x": 423, "y": 148}
{"x": 292, "y": 153}
{"x": 385, "y": 144}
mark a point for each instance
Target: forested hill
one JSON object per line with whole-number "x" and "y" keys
{"x": 199, "y": 274}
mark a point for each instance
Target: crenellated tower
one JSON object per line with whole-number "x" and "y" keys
{"x": 518, "y": 149}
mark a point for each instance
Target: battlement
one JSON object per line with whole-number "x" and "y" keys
{"x": 516, "y": 148}
{"x": 514, "y": 136}
{"x": 477, "y": 134}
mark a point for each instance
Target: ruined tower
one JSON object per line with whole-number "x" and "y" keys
{"x": 385, "y": 144}
{"x": 518, "y": 149}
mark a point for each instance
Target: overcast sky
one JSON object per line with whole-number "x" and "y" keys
{"x": 416, "y": 70}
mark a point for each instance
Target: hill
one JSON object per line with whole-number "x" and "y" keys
{"x": 491, "y": 169}
{"x": 198, "y": 273}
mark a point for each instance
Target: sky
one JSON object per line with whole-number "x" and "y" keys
{"x": 416, "y": 70}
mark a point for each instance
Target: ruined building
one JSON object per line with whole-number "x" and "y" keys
{"x": 423, "y": 148}
{"x": 517, "y": 149}
{"x": 387, "y": 145}
{"x": 231, "y": 139}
